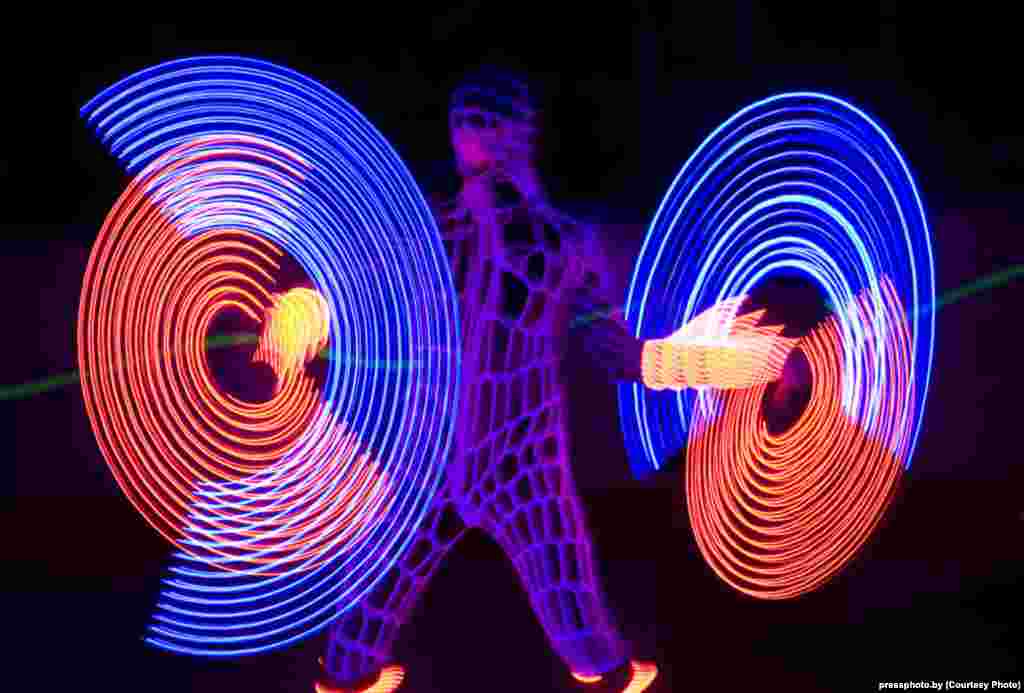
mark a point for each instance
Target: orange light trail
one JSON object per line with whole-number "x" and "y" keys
{"x": 388, "y": 681}
{"x": 295, "y": 330}
{"x": 642, "y": 675}
{"x": 777, "y": 516}
{"x": 173, "y": 440}
{"x": 288, "y": 510}
{"x": 716, "y": 350}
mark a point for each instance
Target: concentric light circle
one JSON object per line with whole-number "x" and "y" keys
{"x": 797, "y": 184}
{"x": 778, "y": 515}
{"x": 288, "y": 510}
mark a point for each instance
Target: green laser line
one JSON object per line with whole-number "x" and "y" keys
{"x": 979, "y": 285}
{"x": 949, "y": 298}
{"x": 25, "y": 390}
{"x": 969, "y": 289}
{"x": 30, "y": 389}
{"x": 221, "y": 341}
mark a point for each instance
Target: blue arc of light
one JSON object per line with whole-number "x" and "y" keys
{"x": 800, "y": 183}
{"x": 339, "y": 199}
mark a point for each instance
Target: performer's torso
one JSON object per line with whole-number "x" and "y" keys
{"x": 511, "y": 268}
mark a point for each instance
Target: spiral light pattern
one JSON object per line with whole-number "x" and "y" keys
{"x": 287, "y": 510}
{"x": 807, "y": 185}
{"x": 778, "y": 515}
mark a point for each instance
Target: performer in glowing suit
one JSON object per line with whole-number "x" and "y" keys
{"x": 521, "y": 267}
{"x": 523, "y": 270}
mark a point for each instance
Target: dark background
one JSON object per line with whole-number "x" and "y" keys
{"x": 631, "y": 94}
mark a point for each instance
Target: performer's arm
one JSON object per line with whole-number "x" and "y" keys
{"x": 719, "y": 348}
{"x": 594, "y": 309}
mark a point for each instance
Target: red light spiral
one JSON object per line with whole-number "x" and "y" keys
{"x": 777, "y": 516}
{"x": 149, "y": 298}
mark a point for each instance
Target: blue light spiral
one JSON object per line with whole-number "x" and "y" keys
{"x": 799, "y": 183}
{"x": 317, "y": 179}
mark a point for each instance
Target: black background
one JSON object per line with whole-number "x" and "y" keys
{"x": 631, "y": 93}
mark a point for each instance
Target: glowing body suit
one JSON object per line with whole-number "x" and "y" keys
{"x": 518, "y": 271}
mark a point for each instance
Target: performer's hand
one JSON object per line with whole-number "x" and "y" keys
{"x": 702, "y": 353}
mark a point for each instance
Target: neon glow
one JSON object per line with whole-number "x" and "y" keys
{"x": 719, "y": 350}
{"x": 285, "y": 511}
{"x": 388, "y": 681}
{"x": 776, "y": 516}
{"x": 798, "y": 184}
{"x": 802, "y": 184}
{"x": 642, "y": 675}
{"x": 54, "y": 382}
{"x": 296, "y": 329}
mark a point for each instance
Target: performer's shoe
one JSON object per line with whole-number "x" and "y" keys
{"x": 387, "y": 680}
{"x": 632, "y": 677}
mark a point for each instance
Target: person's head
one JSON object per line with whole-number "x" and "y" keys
{"x": 492, "y": 121}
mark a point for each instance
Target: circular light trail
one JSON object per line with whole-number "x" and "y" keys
{"x": 289, "y": 510}
{"x": 803, "y": 185}
{"x": 778, "y": 515}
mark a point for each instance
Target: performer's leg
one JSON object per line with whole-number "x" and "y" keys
{"x": 536, "y": 517}
{"x": 360, "y": 639}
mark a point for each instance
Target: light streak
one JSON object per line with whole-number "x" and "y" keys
{"x": 289, "y": 510}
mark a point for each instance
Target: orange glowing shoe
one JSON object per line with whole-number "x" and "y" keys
{"x": 632, "y": 677}
{"x": 387, "y": 680}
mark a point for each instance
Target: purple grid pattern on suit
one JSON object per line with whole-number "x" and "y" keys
{"x": 519, "y": 269}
